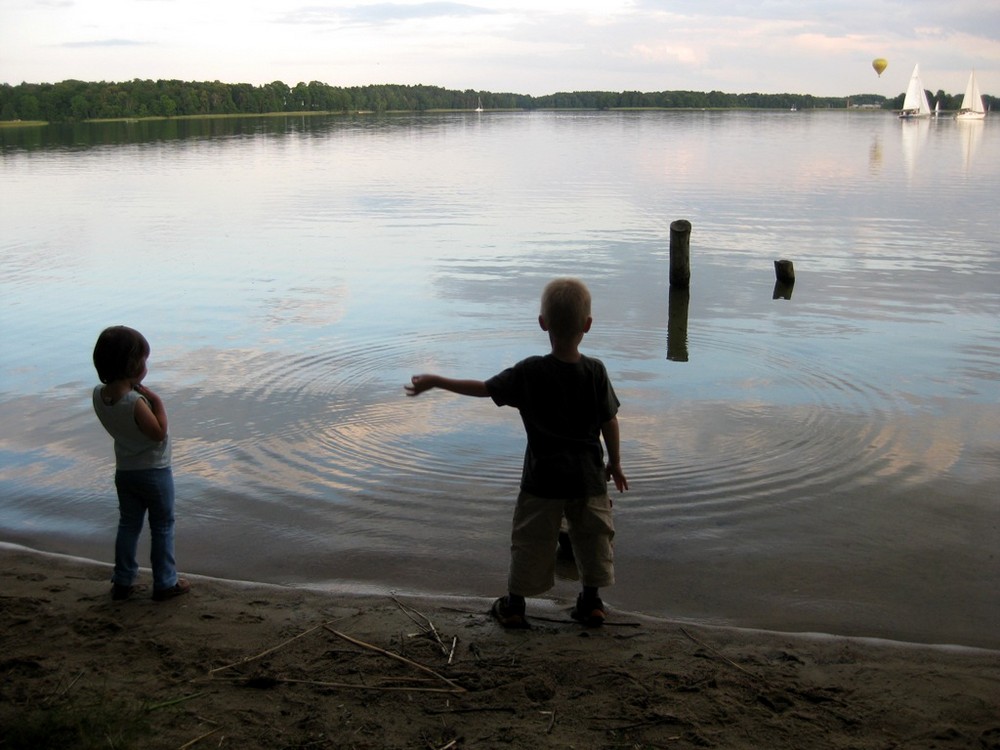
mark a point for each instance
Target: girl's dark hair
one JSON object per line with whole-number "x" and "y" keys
{"x": 119, "y": 352}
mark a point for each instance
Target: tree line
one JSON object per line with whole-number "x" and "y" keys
{"x": 76, "y": 101}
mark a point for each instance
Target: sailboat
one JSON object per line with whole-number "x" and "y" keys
{"x": 972, "y": 103}
{"x": 915, "y": 102}
{"x": 480, "y": 107}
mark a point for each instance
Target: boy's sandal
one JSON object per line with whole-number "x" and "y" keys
{"x": 506, "y": 618}
{"x": 589, "y": 614}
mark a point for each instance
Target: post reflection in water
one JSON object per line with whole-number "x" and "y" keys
{"x": 677, "y": 324}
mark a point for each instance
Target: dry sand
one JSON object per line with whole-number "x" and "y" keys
{"x": 235, "y": 665}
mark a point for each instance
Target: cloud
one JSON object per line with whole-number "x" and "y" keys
{"x": 665, "y": 51}
{"x": 823, "y": 47}
{"x": 380, "y": 13}
{"x": 104, "y": 43}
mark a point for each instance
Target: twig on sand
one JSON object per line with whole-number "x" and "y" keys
{"x": 61, "y": 692}
{"x": 198, "y": 739}
{"x": 427, "y": 626}
{"x": 174, "y": 702}
{"x": 720, "y": 655}
{"x": 397, "y": 657}
{"x": 248, "y": 659}
{"x": 552, "y": 720}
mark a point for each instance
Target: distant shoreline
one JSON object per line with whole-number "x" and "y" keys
{"x": 329, "y": 113}
{"x": 82, "y": 101}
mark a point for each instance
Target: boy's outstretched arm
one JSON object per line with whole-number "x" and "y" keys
{"x": 609, "y": 431}
{"x": 420, "y": 383}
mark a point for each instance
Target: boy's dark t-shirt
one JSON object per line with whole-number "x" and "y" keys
{"x": 563, "y": 406}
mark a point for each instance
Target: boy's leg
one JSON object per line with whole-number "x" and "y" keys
{"x": 533, "y": 537}
{"x": 131, "y": 513}
{"x": 592, "y": 531}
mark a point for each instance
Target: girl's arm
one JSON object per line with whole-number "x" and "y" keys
{"x": 421, "y": 383}
{"x": 151, "y": 415}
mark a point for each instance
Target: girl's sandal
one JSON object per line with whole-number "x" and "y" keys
{"x": 120, "y": 593}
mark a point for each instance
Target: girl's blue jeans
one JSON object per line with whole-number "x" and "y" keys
{"x": 139, "y": 492}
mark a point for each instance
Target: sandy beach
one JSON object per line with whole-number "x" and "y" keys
{"x": 238, "y": 665}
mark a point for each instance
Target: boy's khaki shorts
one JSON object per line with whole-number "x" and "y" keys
{"x": 535, "y": 535}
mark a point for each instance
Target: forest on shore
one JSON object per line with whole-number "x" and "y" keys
{"x": 77, "y": 101}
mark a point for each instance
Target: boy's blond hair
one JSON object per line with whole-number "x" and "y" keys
{"x": 566, "y": 307}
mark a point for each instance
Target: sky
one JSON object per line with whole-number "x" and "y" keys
{"x": 537, "y": 47}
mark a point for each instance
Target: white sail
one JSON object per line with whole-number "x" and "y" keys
{"x": 915, "y": 102}
{"x": 972, "y": 102}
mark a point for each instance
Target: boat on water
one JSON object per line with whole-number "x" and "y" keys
{"x": 915, "y": 102}
{"x": 479, "y": 108}
{"x": 972, "y": 102}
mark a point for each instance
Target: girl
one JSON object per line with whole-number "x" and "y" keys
{"x": 135, "y": 417}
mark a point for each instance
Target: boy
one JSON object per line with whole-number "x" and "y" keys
{"x": 567, "y": 405}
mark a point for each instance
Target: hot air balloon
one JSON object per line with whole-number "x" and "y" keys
{"x": 880, "y": 64}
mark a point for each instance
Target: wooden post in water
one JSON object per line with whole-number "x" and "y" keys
{"x": 784, "y": 273}
{"x": 680, "y": 253}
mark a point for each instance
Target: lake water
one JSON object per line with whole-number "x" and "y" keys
{"x": 821, "y": 460}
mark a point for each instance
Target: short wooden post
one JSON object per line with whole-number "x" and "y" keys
{"x": 680, "y": 253}
{"x": 784, "y": 271}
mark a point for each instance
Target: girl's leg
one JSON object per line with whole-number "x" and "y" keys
{"x": 160, "y": 499}
{"x": 131, "y": 512}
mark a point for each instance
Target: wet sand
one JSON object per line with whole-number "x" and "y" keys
{"x": 243, "y": 665}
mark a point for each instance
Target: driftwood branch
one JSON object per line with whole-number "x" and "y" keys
{"x": 397, "y": 657}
